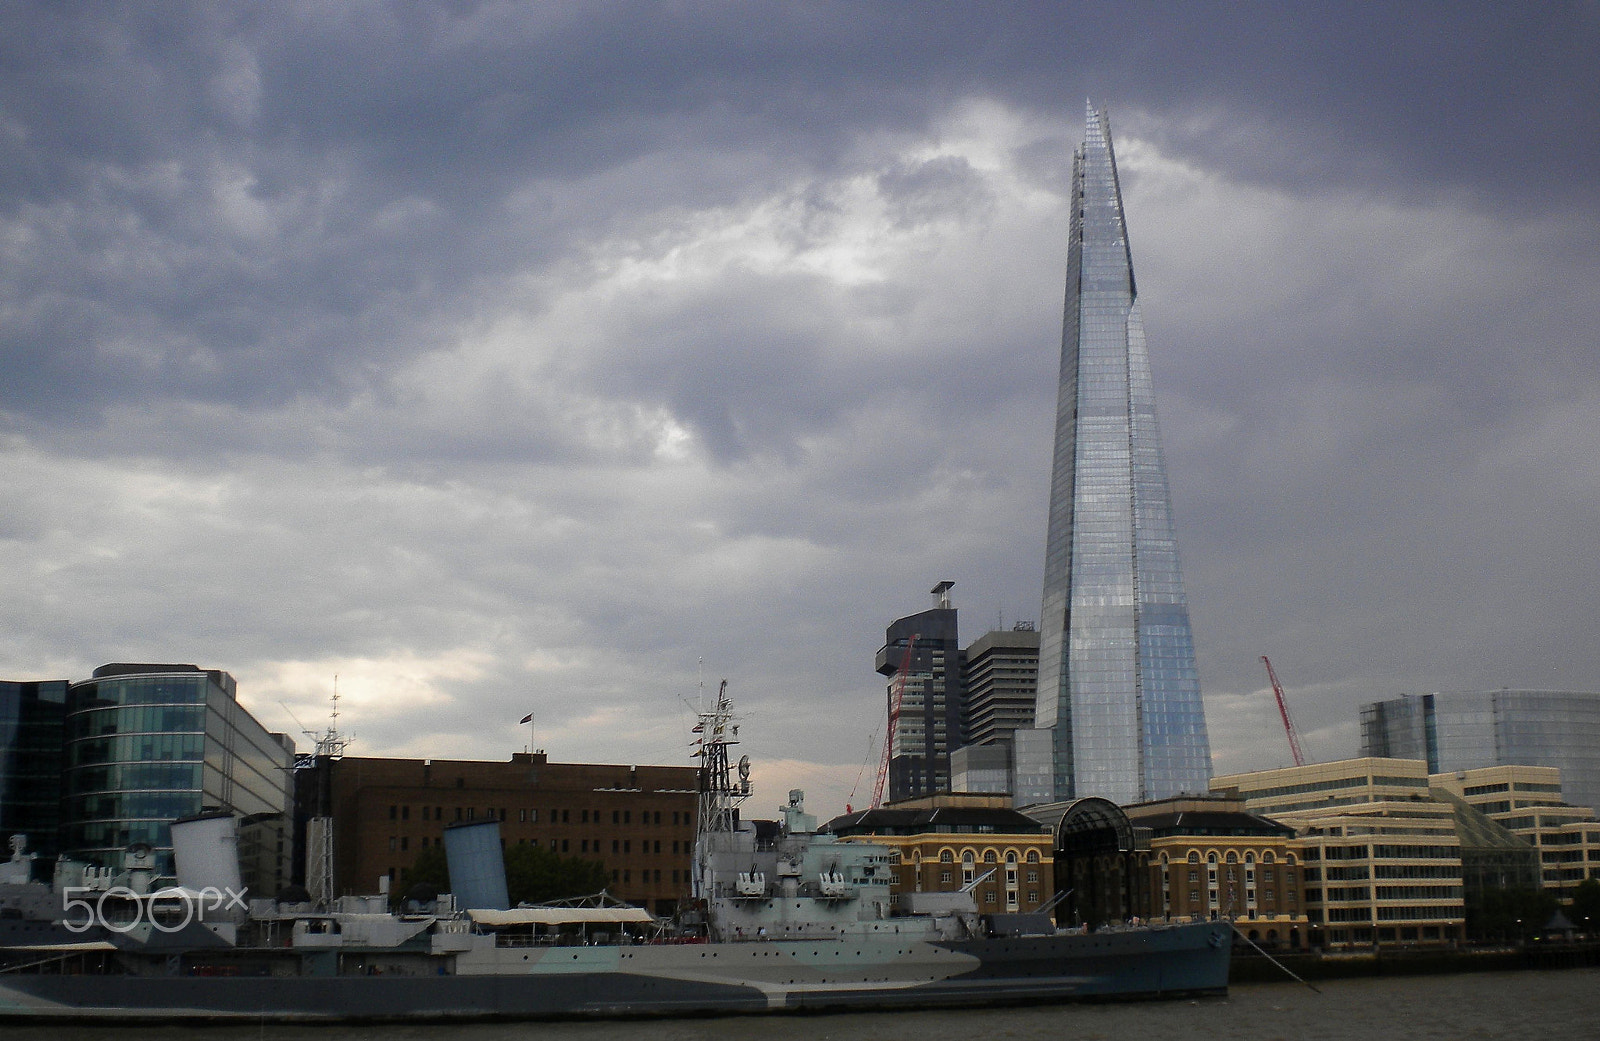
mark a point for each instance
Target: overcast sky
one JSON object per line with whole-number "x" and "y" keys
{"x": 514, "y": 357}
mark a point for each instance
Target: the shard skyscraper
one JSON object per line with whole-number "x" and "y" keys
{"x": 1118, "y": 687}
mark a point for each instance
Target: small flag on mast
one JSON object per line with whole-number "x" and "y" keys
{"x": 526, "y": 719}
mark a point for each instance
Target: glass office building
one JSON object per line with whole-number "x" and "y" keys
{"x": 1466, "y": 730}
{"x": 146, "y": 744}
{"x": 31, "y": 715}
{"x": 1118, "y": 686}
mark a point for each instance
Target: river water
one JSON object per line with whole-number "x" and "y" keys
{"x": 1548, "y": 1006}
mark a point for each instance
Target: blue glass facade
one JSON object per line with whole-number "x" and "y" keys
{"x": 31, "y": 715}
{"x": 1118, "y": 686}
{"x": 146, "y": 744}
{"x": 1465, "y": 730}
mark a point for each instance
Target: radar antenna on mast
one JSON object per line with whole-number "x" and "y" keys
{"x": 720, "y": 793}
{"x": 329, "y": 746}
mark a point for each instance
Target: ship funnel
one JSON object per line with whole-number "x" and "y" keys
{"x": 206, "y": 848}
{"x": 477, "y": 865}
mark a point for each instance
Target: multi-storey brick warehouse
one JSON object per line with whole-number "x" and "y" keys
{"x": 637, "y": 821}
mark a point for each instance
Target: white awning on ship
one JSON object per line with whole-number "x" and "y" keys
{"x": 68, "y": 947}
{"x": 561, "y": 916}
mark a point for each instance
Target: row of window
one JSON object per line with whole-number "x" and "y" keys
{"x": 402, "y": 844}
{"x": 620, "y": 875}
{"x": 945, "y": 876}
{"x": 948, "y": 856}
{"x": 1267, "y": 875}
{"x": 136, "y": 748}
{"x": 142, "y": 690}
{"x": 1268, "y": 897}
{"x": 1232, "y": 857}
{"x": 399, "y": 812}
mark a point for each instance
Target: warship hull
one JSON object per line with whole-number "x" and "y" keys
{"x": 650, "y": 980}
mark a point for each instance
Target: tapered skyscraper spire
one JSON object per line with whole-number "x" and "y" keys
{"x": 1117, "y": 680}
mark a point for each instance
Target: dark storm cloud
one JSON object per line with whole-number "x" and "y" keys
{"x": 373, "y": 148}
{"x": 492, "y": 344}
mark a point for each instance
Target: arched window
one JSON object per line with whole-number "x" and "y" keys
{"x": 1288, "y": 858}
{"x": 1033, "y": 856}
{"x": 1267, "y": 857}
{"x": 1194, "y": 856}
{"x": 1211, "y": 858}
{"x": 1011, "y": 856}
{"x": 1163, "y": 860}
{"x": 1233, "y": 856}
{"x": 1249, "y": 856}
{"x": 967, "y": 856}
{"x": 990, "y": 857}
{"x": 946, "y": 857}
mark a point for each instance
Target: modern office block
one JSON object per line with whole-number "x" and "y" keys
{"x": 1466, "y": 730}
{"x": 922, "y": 660}
{"x": 1001, "y": 684}
{"x": 1527, "y": 801}
{"x": 1383, "y": 859}
{"x": 981, "y": 768}
{"x": 148, "y": 744}
{"x": 1118, "y": 686}
{"x": 32, "y": 715}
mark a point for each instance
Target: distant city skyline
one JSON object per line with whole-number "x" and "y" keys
{"x": 1118, "y": 683}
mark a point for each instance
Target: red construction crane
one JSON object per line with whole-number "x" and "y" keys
{"x": 1283, "y": 710}
{"x": 894, "y": 722}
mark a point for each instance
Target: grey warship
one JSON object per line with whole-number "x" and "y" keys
{"x": 800, "y": 922}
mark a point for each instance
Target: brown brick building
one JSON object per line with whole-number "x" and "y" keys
{"x": 1209, "y": 857}
{"x": 638, "y": 821}
{"x": 941, "y": 843}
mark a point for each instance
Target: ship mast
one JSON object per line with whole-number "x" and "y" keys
{"x": 330, "y": 745}
{"x": 720, "y": 793}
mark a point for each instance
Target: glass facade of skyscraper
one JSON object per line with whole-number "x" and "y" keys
{"x": 1465, "y": 730}
{"x": 146, "y": 744}
{"x": 1118, "y": 686}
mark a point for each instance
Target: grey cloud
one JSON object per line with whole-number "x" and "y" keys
{"x": 312, "y": 333}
